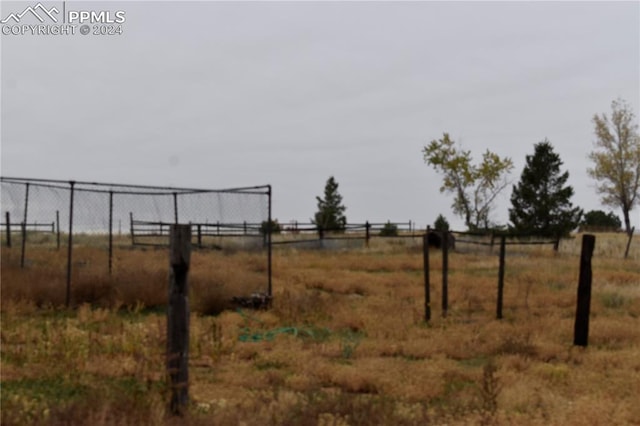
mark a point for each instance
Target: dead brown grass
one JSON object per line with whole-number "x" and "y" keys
{"x": 344, "y": 343}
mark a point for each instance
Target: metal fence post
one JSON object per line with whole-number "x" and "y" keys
{"x": 8, "y": 224}
{"x": 175, "y": 207}
{"x": 133, "y": 236}
{"x": 110, "y": 231}
{"x": 367, "y": 226}
{"x": 70, "y": 243}
{"x": 57, "y": 229}
{"x": 24, "y": 226}
{"x": 269, "y": 245}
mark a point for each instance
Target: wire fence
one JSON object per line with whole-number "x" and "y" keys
{"x": 312, "y": 235}
{"x": 51, "y": 214}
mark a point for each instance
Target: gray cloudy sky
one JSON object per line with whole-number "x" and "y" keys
{"x": 227, "y": 94}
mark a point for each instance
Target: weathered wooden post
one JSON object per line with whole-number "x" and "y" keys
{"x": 178, "y": 317}
{"x": 445, "y": 273}
{"x": 501, "y": 277}
{"x": 427, "y": 286}
{"x": 581, "y": 328}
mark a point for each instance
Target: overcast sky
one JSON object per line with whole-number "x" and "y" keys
{"x": 227, "y": 94}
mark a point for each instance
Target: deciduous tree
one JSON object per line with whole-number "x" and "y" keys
{"x": 475, "y": 186}
{"x": 616, "y": 159}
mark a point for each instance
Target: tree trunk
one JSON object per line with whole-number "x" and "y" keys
{"x": 627, "y": 222}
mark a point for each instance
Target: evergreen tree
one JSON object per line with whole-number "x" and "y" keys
{"x": 441, "y": 223}
{"x": 330, "y": 215}
{"x": 541, "y": 200}
{"x": 598, "y": 218}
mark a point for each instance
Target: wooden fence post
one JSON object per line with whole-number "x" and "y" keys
{"x": 501, "y": 277}
{"x": 445, "y": 272}
{"x": 581, "y": 328}
{"x": 427, "y": 290}
{"x": 178, "y": 318}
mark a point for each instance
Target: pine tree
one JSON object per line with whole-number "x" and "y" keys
{"x": 541, "y": 200}
{"x": 330, "y": 215}
{"x": 441, "y": 223}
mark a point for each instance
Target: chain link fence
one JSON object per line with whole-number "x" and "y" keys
{"x": 98, "y": 224}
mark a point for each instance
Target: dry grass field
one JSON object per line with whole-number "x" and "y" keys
{"x": 345, "y": 342}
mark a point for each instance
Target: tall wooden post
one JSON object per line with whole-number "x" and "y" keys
{"x": 427, "y": 284}
{"x": 178, "y": 317}
{"x": 445, "y": 272}
{"x": 581, "y": 328}
{"x": 501, "y": 277}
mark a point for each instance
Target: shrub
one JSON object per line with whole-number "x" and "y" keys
{"x": 272, "y": 227}
{"x": 597, "y": 219}
{"x": 441, "y": 224}
{"x": 389, "y": 230}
